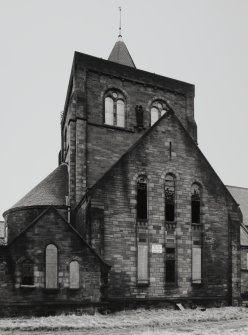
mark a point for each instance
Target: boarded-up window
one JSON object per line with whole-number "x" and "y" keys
{"x": 142, "y": 198}
{"x": 27, "y": 273}
{"x": 247, "y": 261}
{"x": 170, "y": 265}
{"x": 169, "y": 198}
{"x": 196, "y": 265}
{"x": 74, "y": 274}
{"x": 51, "y": 266}
{"x": 142, "y": 263}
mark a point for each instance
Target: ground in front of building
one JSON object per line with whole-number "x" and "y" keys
{"x": 227, "y": 320}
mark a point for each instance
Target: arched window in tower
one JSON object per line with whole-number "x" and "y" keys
{"x": 120, "y": 122}
{"x": 114, "y": 113}
{"x": 142, "y": 198}
{"x": 109, "y": 111}
{"x": 169, "y": 198}
{"x": 27, "y": 273}
{"x": 195, "y": 203}
{"x": 158, "y": 109}
{"x": 154, "y": 115}
{"x": 51, "y": 266}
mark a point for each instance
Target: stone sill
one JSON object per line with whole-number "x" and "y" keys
{"x": 73, "y": 288}
{"x": 27, "y": 286}
{"x": 51, "y": 290}
{"x": 197, "y": 284}
{"x": 171, "y": 285}
{"x": 143, "y": 283}
{"x": 113, "y": 127}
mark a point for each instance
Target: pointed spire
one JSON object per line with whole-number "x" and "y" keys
{"x": 120, "y": 53}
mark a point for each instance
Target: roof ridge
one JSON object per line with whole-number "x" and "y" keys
{"x": 51, "y": 190}
{"x": 244, "y": 188}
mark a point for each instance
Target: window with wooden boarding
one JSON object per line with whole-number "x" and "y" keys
{"x": 27, "y": 273}
{"x": 142, "y": 232}
{"x": 196, "y": 234}
{"x": 51, "y": 267}
{"x": 170, "y": 257}
{"x": 74, "y": 275}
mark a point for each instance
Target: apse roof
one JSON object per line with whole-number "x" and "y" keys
{"x": 240, "y": 194}
{"x": 120, "y": 54}
{"x": 50, "y": 191}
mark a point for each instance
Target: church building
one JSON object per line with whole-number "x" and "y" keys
{"x": 134, "y": 214}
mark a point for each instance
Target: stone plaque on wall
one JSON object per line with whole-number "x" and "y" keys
{"x": 157, "y": 248}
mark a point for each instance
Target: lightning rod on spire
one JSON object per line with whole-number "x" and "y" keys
{"x": 120, "y": 23}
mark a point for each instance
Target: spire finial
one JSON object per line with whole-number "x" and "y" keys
{"x": 120, "y": 23}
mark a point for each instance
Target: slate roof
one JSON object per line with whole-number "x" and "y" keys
{"x": 50, "y": 191}
{"x": 240, "y": 194}
{"x": 120, "y": 54}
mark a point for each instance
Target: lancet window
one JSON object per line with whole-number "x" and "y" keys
{"x": 142, "y": 198}
{"x": 27, "y": 273}
{"x": 51, "y": 266}
{"x": 169, "y": 198}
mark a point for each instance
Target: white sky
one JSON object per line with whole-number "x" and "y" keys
{"x": 203, "y": 42}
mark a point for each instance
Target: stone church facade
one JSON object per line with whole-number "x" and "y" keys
{"x": 134, "y": 213}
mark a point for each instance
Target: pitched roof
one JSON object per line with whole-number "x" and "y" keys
{"x": 66, "y": 222}
{"x": 170, "y": 113}
{"x": 120, "y": 54}
{"x": 240, "y": 194}
{"x": 50, "y": 191}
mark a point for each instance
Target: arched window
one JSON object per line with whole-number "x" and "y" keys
{"x": 114, "y": 113}
{"x": 74, "y": 274}
{"x": 142, "y": 198}
{"x": 195, "y": 203}
{"x": 169, "y": 198}
{"x": 51, "y": 266}
{"x": 120, "y": 122}
{"x": 27, "y": 273}
{"x": 154, "y": 115}
{"x": 158, "y": 109}
{"x": 109, "y": 111}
